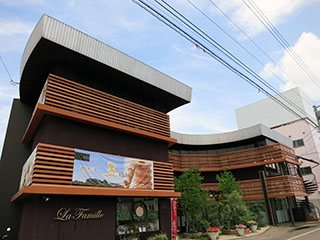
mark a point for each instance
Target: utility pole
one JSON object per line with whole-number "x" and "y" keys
{"x": 317, "y": 113}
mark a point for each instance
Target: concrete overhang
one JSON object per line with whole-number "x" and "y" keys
{"x": 55, "y": 47}
{"x": 230, "y": 137}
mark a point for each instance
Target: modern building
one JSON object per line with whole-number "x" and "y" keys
{"x": 305, "y": 136}
{"x": 261, "y": 159}
{"x": 86, "y": 149}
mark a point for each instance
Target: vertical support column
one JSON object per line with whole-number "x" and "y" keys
{"x": 262, "y": 177}
{"x": 289, "y": 199}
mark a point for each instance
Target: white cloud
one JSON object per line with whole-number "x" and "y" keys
{"x": 194, "y": 119}
{"x": 130, "y": 25}
{"x": 13, "y": 35}
{"x": 276, "y": 11}
{"x": 307, "y": 48}
{"x": 8, "y": 28}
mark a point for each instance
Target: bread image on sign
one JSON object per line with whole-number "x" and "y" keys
{"x": 139, "y": 175}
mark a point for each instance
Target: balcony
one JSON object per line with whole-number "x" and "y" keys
{"x": 233, "y": 160}
{"x": 51, "y": 170}
{"x": 277, "y": 187}
{"x": 65, "y": 98}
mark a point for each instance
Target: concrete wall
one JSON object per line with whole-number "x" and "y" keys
{"x": 311, "y": 137}
{"x": 271, "y": 114}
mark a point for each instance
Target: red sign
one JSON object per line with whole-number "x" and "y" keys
{"x": 174, "y": 223}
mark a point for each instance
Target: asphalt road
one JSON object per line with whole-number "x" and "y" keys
{"x": 313, "y": 234}
{"x": 307, "y": 232}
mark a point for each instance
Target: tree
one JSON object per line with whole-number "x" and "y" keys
{"x": 229, "y": 208}
{"x": 193, "y": 198}
{"x": 227, "y": 183}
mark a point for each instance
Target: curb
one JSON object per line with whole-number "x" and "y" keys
{"x": 227, "y": 237}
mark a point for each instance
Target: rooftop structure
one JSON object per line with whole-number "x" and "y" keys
{"x": 271, "y": 114}
{"x": 54, "y": 46}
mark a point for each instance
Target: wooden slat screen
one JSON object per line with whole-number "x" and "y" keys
{"x": 54, "y": 165}
{"x": 69, "y": 95}
{"x": 279, "y": 186}
{"x": 163, "y": 176}
{"x": 233, "y": 160}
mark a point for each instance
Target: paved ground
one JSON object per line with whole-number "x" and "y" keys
{"x": 302, "y": 231}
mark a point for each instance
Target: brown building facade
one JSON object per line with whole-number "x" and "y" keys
{"x": 87, "y": 142}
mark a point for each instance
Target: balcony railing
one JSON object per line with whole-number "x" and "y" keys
{"x": 277, "y": 187}
{"x": 68, "y": 99}
{"x": 233, "y": 160}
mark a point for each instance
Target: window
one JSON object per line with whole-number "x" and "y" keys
{"x": 137, "y": 215}
{"x": 298, "y": 143}
{"x": 306, "y": 170}
{"x": 273, "y": 169}
{"x": 292, "y": 169}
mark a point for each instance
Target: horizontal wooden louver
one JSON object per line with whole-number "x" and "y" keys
{"x": 163, "y": 176}
{"x": 54, "y": 165}
{"x": 235, "y": 159}
{"x": 74, "y": 97}
{"x": 279, "y": 186}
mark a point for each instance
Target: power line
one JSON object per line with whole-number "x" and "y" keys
{"x": 236, "y": 41}
{"x": 228, "y": 54}
{"x": 255, "y": 44}
{"x": 8, "y": 73}
{"x": 280, "y": 39}
{"x": 203, "y": 35}
{"x": 233, "y": 58}
{"x": 297, "y": 57}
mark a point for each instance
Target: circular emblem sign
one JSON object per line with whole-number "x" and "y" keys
{"x": 139, "y": 211}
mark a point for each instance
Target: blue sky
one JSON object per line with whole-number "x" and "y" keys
{"x": 216, "y": 91}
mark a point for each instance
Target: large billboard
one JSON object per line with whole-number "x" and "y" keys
{"x": 106, "y": 170}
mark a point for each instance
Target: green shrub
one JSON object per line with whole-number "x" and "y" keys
{"x": 158, "y": 237}
{"x": 204, "y": 237}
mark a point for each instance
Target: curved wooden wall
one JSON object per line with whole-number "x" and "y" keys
{"x": 278, "y": 186}
{"x": 233, "y": 160}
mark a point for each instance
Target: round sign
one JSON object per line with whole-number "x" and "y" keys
{"x": 139, "y": 211}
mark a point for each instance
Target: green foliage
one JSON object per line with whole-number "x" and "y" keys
{"x": 158, "y": 237}
{"x": 229, "y": 208}
{"x": 226, "y": 209}
{"x": 227, "y": 183}
{"x": 193, "y": 199}
{"x": 259, "y": 212}
{"x": 204, "y": 237}
{"x": 129, "y": 238}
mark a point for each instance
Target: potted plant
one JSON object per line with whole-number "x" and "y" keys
{"x": 241, "y": 229}
{"x": 253, "y": 225}
{"x": 213, "y": 232}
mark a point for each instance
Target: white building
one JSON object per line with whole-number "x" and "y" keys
{"x": 305, "y": 137}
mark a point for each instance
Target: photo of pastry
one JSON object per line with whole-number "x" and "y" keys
{"x": 139, "y": 175}
{"x": 107, "y": 170}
